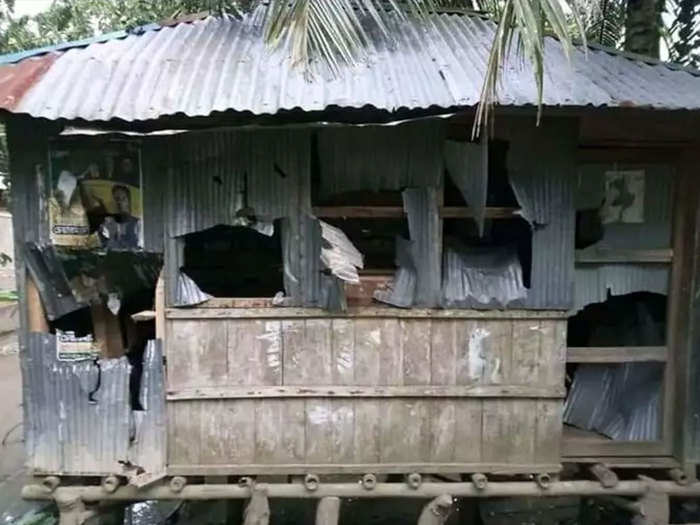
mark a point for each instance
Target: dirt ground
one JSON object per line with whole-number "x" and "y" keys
{"x": 11, "y": 446}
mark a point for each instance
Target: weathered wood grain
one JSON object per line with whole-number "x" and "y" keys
{"x": 367, "y": 438}
{"x": 416, "y": 343}
{"x": 254, "y": 352}
{"x": 197, "y": 354}
{"x": 342, "y": 352}
{"x": 368, "y": 348}
{"x": 444, "y": 354}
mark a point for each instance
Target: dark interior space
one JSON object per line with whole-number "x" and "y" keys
{"x": 235, "y": 261}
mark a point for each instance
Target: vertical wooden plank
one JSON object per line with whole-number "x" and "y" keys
{"x": 184, "y": 442}
{"x": 549, "y": 429}
{"x": 319, "y": 431}
{"x": 107, "y": 331}
{"x": 254, "y": 352}
{"x": 280, "y": 427}
{"x": 199, "y": 353}
{"x": 343, "y": 351}
{"x": 391, "y": 353}
{"x": 522, "y": 431}
{"x": 293, "y": 431}
{"x": 468, "y": 436}
{"x": 470, "y": 343}
{"x": 444, "y": 353}
{"x": 343, "y": 428}
{"x": 159, "y": 304}
{"x": 405, "y": 431}
{"x": 317, "y": 352}
{"x": 36, "y": 315}
{"x": 498, "y": 349}
{"x": 442, "y": 430}
{"x": 294, "y": 358}
{"x": 268, "y": 430}
{"x": 368, "y": 344}
{"x": 526, "y": 362}
{"x": 496, "y": 430}
{"x": 416, "y": 334}
{"x": 227, "y": 431}
{"x": 367, "y": 431}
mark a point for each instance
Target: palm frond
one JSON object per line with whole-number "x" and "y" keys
{"x": 682, "y": 32}
{"x": 527, "y": 22}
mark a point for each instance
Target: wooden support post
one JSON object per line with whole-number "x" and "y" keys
{"x": 71, "y": 508}
{"x": 603, "y": 474}
{"x": 36, "y": 315}
{"x": 437, "y": 511}
{"x": 328, "y": 511}
{"x": 160, "y": 308}
{"x": 654, "y": 505}
{"x": 107, "y": 332}
{"x": 257, "y": 512}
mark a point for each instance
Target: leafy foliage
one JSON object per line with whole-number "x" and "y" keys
{"x": 682, "y": 35}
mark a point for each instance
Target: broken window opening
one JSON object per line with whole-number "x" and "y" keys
{"x": 235, "y": 261}
{"x": 617, "y": 401}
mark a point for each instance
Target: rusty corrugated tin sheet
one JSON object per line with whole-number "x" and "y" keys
{"x": 222, "y": 63}
{"x": 15, "y": 81}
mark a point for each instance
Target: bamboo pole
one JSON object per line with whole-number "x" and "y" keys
{"x": 354, "y": 490}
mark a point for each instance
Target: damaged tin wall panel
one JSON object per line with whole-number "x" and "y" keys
{"x": 482, "y": 278}
{"x": 401, "y": 290}
{"x": 552, "y": 264}
{"x": 154, "y": 184}
{"x": 595, "y": 281}
{"x": 380, "y": 158}
{"x": 339, "y": 255}
{"x": 47, "y": 271}
{"x": 79, "y": 412}
{"x": 654, "y": 211}
{"x": 467, "y": 164}
{"x": 424, "y": 226}
{"x": 541, "y": 169}
{"x": 621, "y": 402}
{"x": 309, "y": 272}
{"x": 148, "y": 448}
{"x": 187, "y": 293}
{"x": 231, "y": 177}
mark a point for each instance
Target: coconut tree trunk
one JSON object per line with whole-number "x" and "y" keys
{"x": 643, "y": 27}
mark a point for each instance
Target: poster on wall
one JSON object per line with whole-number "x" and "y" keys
{"x": 70, "y": 347}
{"x": 96, "y": 199}
{"x": 624, "y": 197}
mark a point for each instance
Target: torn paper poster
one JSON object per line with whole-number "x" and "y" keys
{"x": 339, "y": 255}
{"x": 96, "y": 186}
{"x": 624, "y": 197}
{"x": 70, "y": 347}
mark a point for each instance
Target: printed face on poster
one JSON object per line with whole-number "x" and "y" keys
{"x": 96, "y": 196}
{"x": 624, "y": 197}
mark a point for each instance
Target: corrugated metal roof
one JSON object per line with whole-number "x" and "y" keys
{"x": 222, "y": 63}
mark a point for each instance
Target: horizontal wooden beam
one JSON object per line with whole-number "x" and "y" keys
{"x": 359, "y": 312}
{"x": 344, "y": 391}
{"x": 633, "y": 462}
{"x": 616, "y": 354}
{"x": 361, "y": 468}
{"x": 146, "y": 315}
{"x": 610, "y": 256}
{"x": 397, "y": 212}
{"x": 207, "y": 492}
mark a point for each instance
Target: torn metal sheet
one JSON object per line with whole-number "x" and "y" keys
{"x": 147, "y": 449}
{"x": 93, "y": 276}
{"x": 401, "y": 290}
{"x": 187, "y": 293}
{"x": 237, "y": 178}
{"x": 308, "y": 260}
{"x": 424, "y": 226}
{"x": 376, "y": 158}
{"x": 79, "y": 413}
{"x": 619, "y": 401}
{"x": 332, "y": 297}
{"x": 51, "y": 281}
{"x": 593, "y": 282}
{"x": 468, "y": 166}
{"x": 481, "y": 278}
{"x": 339, "y": 255}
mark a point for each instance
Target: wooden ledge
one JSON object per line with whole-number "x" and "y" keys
{"x": 359, "y": 312}
{"x": 344, "y": 391}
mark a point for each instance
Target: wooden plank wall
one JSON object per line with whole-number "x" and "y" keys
{"x": 364, "y": 394}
